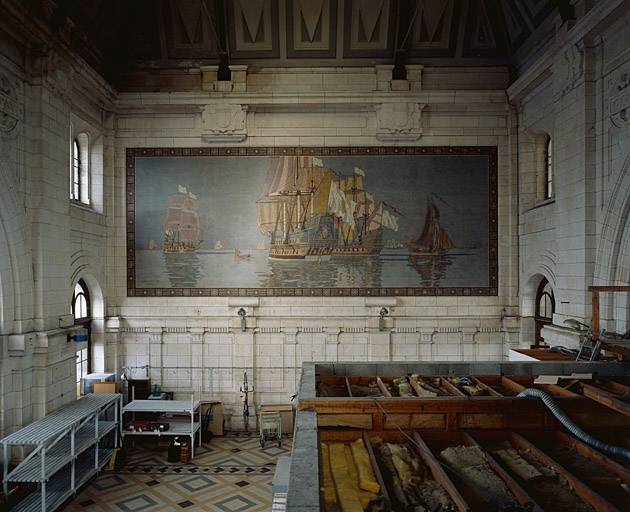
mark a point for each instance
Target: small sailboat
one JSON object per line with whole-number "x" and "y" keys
{"x": 241, "y": 255}
{"x": 218, "y": 245}
{"x": 152, "y": 245}
{"x": 261, "y": 246}
{"x": 434, "y": 239}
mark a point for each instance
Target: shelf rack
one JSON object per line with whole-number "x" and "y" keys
{"x": 176, "y": 428}
{"x": 66, "y": 450}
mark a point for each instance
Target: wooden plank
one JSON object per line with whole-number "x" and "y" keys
{"x": 383, "y": 388}
{"x": 580, "y": 488}
{"x": 415, "y": 421}
{"x": 499, "y": 421}
{"x": 361, "y": 421}
{"x": 483, "y": 385}
{"x": 376, "y": 469}
{"x": 614, "y": 387}
{"x": 348, "y": 387}
{"x": 451, "y": 388}
{"x": 415, "y": 386}
{"x": 605, "y": 398}
{"x": 519, "y": 493}
{"x": 591, "y": 453}
{"x": 438, "y": 473}
{"x": 555, "y": 390}
{"x": 511, "y": 385}
{"x": 595, "y": 314}
{"x": 609, "y": 288}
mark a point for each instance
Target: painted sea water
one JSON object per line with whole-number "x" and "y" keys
{"x": 392, "y": 268}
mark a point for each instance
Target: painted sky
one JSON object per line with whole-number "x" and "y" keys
{"x": 228, "y": 188}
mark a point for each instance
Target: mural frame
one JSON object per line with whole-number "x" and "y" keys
{"x": 130, "y": 180}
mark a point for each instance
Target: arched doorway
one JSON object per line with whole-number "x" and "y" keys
{"x": 545, "y": 307}
{"x": 82, "y": 312}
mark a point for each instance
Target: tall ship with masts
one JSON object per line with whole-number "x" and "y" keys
{"x": 434, "y": 239}
{"x": 310, "y": 211}
{"x": 181, "y": 222}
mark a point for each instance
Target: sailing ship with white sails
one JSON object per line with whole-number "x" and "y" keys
{"x": 181, "y": 223}
{"x": 310, "y": 211}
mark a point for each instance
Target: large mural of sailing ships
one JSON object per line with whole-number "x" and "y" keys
{"x": 406, "y": 224}
{"x": 310, "y": 211}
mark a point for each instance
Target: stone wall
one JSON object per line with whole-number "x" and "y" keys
{"x": 576, "y": 90}
{"x": 197, "y": 344}
{"x": 46, "y": 243}
{"x": 577, "y": 93}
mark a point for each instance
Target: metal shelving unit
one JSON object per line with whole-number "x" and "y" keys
{"x": 176, "y": 427}
{"x": 66, "y": 450}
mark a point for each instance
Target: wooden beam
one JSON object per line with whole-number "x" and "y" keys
{"x": 348, "y": 387}
{"x": 375, "y": 468}
{"x": 511, "y": 385}
{"x": 606, "y": 398}
{"x": 595, "y": 315}
{"x": 609, "y": 289}
{"x": 483, "y": 385}
{"x": 591, "y": 453}
{"x": 519, "y": 493}
{"x": 451, "y": 388}
{"x": 581, "y": 489}
{"x": 438, "y": 473}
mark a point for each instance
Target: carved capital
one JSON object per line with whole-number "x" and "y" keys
{"x": 196, "y": 334}
{"x": 332, "y": 334}
{"x": 399, "y": 121}
{"x": 224, "y": 123}
{"x": 426, "y": 335}
{"x": 155, "y": 335}
{"x": 290, "y": 335}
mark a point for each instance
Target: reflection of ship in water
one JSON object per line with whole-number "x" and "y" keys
{"x": 311, "y": 212}
{"x": 434, "y": 239}
{"x": 431, "y": 268}
{"x": 338, "y": 272}
{"x": 181, "y": 223}
{"x": 183, "y": 269}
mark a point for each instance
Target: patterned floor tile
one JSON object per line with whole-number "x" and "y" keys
{"x": 232, "y": 473}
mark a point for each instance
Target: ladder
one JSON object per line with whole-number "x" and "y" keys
{"x": 589, "y": 349}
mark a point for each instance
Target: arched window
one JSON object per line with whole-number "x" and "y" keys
{"x": 79, "y": 172}
{"x": 75, "y": 191}
{"x": 82, "y": 317}
{"x": 548, "y": 168}
{"x": 545, "y": 308}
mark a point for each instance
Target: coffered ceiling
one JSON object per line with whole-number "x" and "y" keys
{"x": 124, "y": 36}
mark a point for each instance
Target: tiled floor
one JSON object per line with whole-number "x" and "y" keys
{"x": 232, "y": 473}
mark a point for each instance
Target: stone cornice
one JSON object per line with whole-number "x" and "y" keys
{"x": 602, "y": 13}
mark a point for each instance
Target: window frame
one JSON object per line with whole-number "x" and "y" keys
{"x": 85, "y": 322}
{"x": 549, "y": 174}
{"x": 75, "y": 179}
{"x": 80, "y": 179}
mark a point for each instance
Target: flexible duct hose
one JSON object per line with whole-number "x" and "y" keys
{"x": 572, "y": 427}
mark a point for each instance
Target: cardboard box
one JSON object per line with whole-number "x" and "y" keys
{"x": 104, "y": 387}
{"x": 286, "y": 413}
{"x": 215, "y": 425}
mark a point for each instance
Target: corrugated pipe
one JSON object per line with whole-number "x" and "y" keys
{"x": 572, "y": 427}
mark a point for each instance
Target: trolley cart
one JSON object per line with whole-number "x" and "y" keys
{"x": 270, "y": 427}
